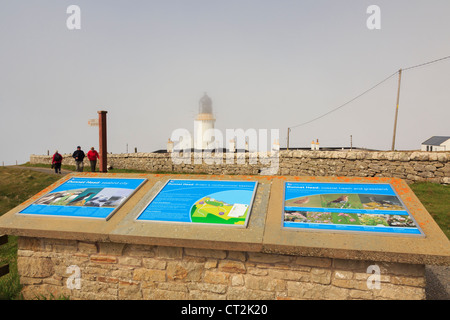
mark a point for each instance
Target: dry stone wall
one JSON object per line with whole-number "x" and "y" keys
{"x": 411, "y": 166}
{"x": 96, "y": 270}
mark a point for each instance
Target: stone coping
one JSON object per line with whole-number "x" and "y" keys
{"x": 263, "y": 233}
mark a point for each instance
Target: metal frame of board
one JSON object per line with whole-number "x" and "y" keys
{"x": 297, "y": 229}
{"x": 80, "y": 217}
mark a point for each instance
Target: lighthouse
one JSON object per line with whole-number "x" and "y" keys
{"x": 204, "y": 124}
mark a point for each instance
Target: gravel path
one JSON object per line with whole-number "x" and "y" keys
{"x": 44, "y": 170}
{"x": 438, "y": 282}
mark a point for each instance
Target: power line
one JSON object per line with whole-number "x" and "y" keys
{"x": 343, "y": 105}
{"x": 426, "y": 63}
{"x": 367, "y": 91}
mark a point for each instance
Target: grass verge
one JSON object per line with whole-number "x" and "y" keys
{"x": 87, "y": 169}
{"x": 436, "y": 199}
{"x": 16, "y": 186}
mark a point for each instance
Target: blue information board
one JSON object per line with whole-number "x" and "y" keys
{"x": 85, "y": 198}
{"x": 343, "y": 207}
{"x": 221, "y": 202}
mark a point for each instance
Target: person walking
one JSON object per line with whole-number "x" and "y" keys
{"x": 93, "y": 156}
{"x": 79, "y": 155}
{"x": 56, "y": 162}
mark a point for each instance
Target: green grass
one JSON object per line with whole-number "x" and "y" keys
{"x": 114, "y": 170}
{"x": 86, "y": 169}
{"x": 436, "y": 199}
{"x": 9, "y": 284}
{"x": 42, "y": 165}
{"x": 16, "y": 186}
{"x": 10, "y": 287}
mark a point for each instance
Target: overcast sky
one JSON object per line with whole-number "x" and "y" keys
{"x": 265, "y": 64}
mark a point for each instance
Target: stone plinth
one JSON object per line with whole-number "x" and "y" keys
{"x": 127, "y": 271}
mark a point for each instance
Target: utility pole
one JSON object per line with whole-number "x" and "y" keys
{"x": 102, "y": 141}
{"x": 396, "y": 109}
{"x": 288, "y": 130}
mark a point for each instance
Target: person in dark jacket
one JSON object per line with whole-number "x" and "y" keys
{"x": 56, "y": 162}
{"x": 93, "y": 156}
{"x": 79, "y": 155}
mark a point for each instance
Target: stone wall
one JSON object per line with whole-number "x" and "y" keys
{"x": 125, "y": 271}
{"x": 412, "y": 166}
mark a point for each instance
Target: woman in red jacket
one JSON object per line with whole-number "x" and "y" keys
{"x": 56, "y": 162}
{"x": 92, "y": 156}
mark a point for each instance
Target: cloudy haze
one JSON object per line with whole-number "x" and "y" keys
{"x": 265, "y": 65}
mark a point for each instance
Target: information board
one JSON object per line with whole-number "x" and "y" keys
{"x": 346, "y": 207}
{"x": 85, "y": 198}
{"x": 219, "y": 202}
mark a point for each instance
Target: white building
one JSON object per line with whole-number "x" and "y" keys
{"x": 204, "y": 124}
{"x": 205, "y": 136}
{"x": 436, "y": 143}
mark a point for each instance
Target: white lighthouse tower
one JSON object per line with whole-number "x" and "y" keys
{"x": 204, "y": 124}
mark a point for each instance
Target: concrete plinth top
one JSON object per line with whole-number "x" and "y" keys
{"x": 264, "y": 231}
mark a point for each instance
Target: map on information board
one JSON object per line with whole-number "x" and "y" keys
{"x": 222, "y": 202}
{"x": 85, "y": 198}
{"x": 343, "y": 207}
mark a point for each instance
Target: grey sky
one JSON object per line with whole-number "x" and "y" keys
{"x": 265, "y": 64}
